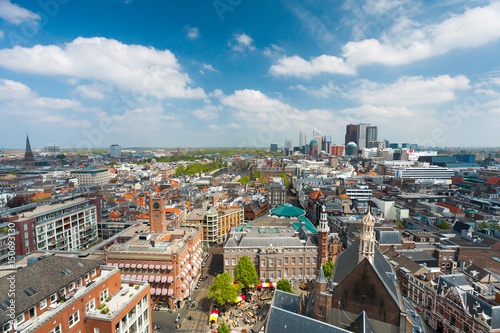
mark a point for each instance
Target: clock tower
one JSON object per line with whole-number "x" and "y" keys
{"x": 157, "y": 214}
{"x": 323, "y": 231}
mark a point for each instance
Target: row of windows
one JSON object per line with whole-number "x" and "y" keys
{"x": 278, "y": 261}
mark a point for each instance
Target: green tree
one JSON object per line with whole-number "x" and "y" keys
{"x": 399, "y": 225}
{"x": 245, "y": 180}
{"x": 483, "y": 225}
{"x": 223, "y": 290}
{"x": 285, "y": 178}
{"x": 245, "y": 272}
{"x": 61, "y": 157}
{"x": 257, "y": 174}
{"x": 328, "y": 268}
{"x": 284, "y": 285}
{"x": 224, "y": 328}
{"x": 180, "y": 170}
{"x": 444, "y": 225}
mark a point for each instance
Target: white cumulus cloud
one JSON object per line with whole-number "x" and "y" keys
{"x": 241, "y": 42}
{"x": 297, "y": 66}
{"x": 16, "y": 14}
{"x": 129, "y": 67}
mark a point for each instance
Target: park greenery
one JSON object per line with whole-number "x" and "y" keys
{"x": 192, "y": 169}
{"x": 328, "y": 269}
{"x": 284, "y": 285}
{"x": 223, "y": 290}
{"x": 245, "y": 273}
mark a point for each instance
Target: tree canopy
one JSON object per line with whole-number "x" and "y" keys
{"x": 285, "y": 178}
{"x": 444, "y": 225}
{"x": 328, "y": 268}
{"x": 245, "y": 180}
{"x": 245, "y": 272}
{"x": 224, "y": 328}
{"x": 284, "y": 285}
{"x": 223, "y": 290}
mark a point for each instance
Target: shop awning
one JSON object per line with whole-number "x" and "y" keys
{"x": 133, "y": 277}
{"x": 151, "y": 278}
{"x": 265, "y": 285}
{"x": 152, "y": 291}
{"x": 164, "y": 291}
{"x": 121, "y": 265}
{"x": 133, "y": 266}
{"x": 158, "y": 291}
{"x": 214, "y": 315}
{"x": 170, "y": 267}
{"x": 171, "y": 291}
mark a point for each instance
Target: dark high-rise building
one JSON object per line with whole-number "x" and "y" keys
{"x": 274, "y": 147}
{"x": 326, "y": 143}
{"x": 351, "y": 134}
{"x": 29, "y": 159}
{"x": 394, "y": 145}
{"x": 371, "y": 134}
{"x": 405, "y": 145}
{"x": 313, "y": 147}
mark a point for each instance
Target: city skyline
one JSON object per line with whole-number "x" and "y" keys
{"x": 154, "y": 74}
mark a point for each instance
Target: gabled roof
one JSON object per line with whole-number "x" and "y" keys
{"x": 286, "y": 301}
{"x": 280, "y": 320}
{"x": 347, "y": 261}
{"x": 453, "y": 209}
{"x": 361, "y": 324}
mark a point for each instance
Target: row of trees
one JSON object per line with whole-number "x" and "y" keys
{"x": 192, "y": 169}
{"x": 223, "y": 290}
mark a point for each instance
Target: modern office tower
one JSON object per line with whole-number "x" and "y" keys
{"x": 351, "y": 134}
{"x": 326, "y": 144}
{"x": 405, "y": 145}
{"x": 302, "y": 139}
{"x": 371, "y": 134}
{"x": 394, "y": 145}
{"x": 115, "y": 150}
{"x": 362, "y": 136}
{"x": 380, "y": 144}
{"x": 288, "y": 144}
{"x": 317, "y": 135}
{"x": 414, "y": 146}
{"x": 274, "y": 147}
{"x": 51, "y": 148}
{"x": 386, "y": 143}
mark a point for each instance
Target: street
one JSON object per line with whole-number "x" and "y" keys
{"x": 199, "y": 322}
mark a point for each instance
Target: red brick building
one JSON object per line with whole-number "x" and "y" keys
{"x": 61, "y": 294}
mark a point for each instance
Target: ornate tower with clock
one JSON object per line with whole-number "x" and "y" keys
{"x": 323, "y": 231}
{"x": 157, "y": 214}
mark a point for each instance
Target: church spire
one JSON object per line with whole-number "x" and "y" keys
{"x": 367, "y": 239}
{"x": 28, "y": 145}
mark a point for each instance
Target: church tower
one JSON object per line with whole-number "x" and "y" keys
{"x": 29, "y": 159}
{"x": 367, "y": 239}
{"x": 323, "y": 231}
{"x": 157, "y": 214}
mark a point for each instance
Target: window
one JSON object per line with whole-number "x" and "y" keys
{"x": 233, "y": 261}
{"x": 293, "y": 271}
{"x": 308, "y": 271}
{"x": 286, "y": 261}
{"x": 279, "y": 274}
{"x": 301, "y": 260}
{"x": 20, "y": 318}
{"x": 441, "y": 311}
{"x": 74, "y": 318}
{"x": 56, "y": 329}
{"x": 293, "y": 260}
{"x": 271, "y": 262}
{"x": 94, "y": 272}
{"x": 263, "y": 274}
{"x": 96, "y": 330}
{"x": 90, "y": 306}
{"x": 279, "y": 262}
{"x": 314, "y": 260}
{"x": 466, "y": 328}
{"x": 227, "y": 261}
{"x": 308, "y": 260}
{"x": 26, "y": 226}
{"x": 86, "y": 277}
{"x": 53, "y": 298}
{"x": 453, "y": 320}
{"x": 271, "y": 275}
{"x": 263, "y": 262}
{"x": 72, "y": 286}
{"x": 7, "y": 327}
{"x": 300, "y": 271}
{"x": 43, "y": 304}
{"x": 104, "y": 295}
{"x": 286, "y": 271}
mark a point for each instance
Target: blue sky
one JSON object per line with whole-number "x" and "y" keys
{"x": 247, "y": 73}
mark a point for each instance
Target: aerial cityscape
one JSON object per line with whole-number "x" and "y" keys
{"x": 233, "y": 166}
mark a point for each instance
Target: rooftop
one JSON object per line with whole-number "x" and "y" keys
{"x": 288, "y": 210}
